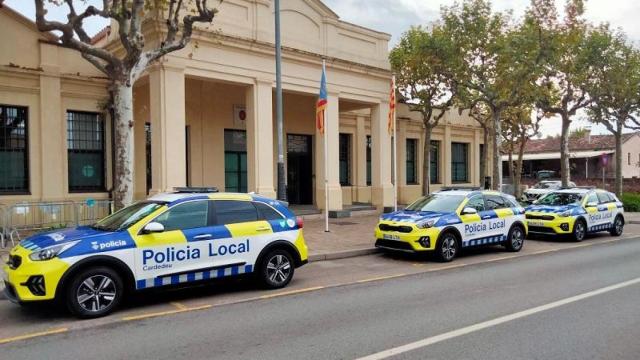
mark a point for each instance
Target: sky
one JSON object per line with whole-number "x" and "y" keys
{"x": 395, "y": 17}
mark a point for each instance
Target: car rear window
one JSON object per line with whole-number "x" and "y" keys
{"x": 234, "y": 211}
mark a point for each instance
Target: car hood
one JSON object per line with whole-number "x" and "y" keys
{"x": 63, "y": 236}
{"x": 551, "y": 209}
{"x": 537, "y": 191}
{"x": 411, "y": 216}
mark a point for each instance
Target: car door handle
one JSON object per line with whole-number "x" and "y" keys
{"x": 202, "y": 237}
{"x": 486, "y": 217}
{"x": 263, "y": 228}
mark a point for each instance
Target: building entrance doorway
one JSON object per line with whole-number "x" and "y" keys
{"x": 299, "y": 169}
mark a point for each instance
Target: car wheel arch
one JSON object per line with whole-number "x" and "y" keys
{"x": 280, "y": 244}
{"x": 454, "y": 231}
{"x": 100, "y": 260}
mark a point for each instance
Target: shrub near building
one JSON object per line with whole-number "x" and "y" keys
{"x": 631, "y": 202}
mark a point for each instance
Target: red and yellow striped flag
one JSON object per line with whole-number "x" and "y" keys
{"x": 392, "y": 106}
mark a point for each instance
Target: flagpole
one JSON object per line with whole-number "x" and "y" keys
{"x": 326, "y": 166}
{"x": 395, "y": 152}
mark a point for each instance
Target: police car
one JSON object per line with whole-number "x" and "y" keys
{"x": 172, "y": 238}
{"x": 452, "y": 219}
{"x": 576, "y": 212}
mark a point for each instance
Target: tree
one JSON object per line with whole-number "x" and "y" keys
{"x": 482, "y": 115}
{"x": 424, "y": 78}
{"x": 124, "y": 67}
{"x": 616, "y": 86}
{"x": 565, "y": 71}
{"x": 495, "y": 61}
{"x": 520, "y": 125}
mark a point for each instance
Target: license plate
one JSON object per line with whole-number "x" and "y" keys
{"x": 390, "y": 237}
{"x": 536, "y": 223}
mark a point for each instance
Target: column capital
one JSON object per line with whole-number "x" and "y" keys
{"x": 263, "y": 80}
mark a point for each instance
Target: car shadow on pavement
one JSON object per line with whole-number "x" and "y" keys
{"x": 430, "y": 256}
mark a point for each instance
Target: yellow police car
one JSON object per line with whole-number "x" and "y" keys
{"x": 452, "y": 219}
{"x": 190, "y": 235}
{"x": 576, "y": 212}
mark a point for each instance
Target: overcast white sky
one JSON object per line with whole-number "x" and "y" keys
{"x": 394, "y": 17}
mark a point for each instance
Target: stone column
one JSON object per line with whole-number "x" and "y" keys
{"x": 331, "y": 135}
{"x": 382, "y": 190}
{"x": 260, "y": 164}
{"x": 167, "y": 112}
{"x": 475, "y": 164}
{"x": 361, "y": 160}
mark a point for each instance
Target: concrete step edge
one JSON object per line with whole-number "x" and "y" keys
{"x": 342, "y": 254}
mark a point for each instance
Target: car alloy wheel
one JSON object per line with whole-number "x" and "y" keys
{"x": 579, "y": 231}
{"x": 517, "y": 239}
{"x": 279, "y": 269}
{"x": 618, "y": 226}
{"x": 96, "y": 293}
{"x": 449, "y": 247}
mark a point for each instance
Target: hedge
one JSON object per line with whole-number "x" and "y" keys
{"x": 631, "y": 202}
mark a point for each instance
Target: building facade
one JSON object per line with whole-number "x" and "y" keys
{"x": 205, "y": 116}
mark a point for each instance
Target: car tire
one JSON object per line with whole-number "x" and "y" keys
{"x": 276, "y": 269}
{"x": 618, "y": 226}
{"x": 515, "y": 239}
{"x": 94, "y": 292}
{"x": 447, "y": 247}
{"x": 579, "y": 230}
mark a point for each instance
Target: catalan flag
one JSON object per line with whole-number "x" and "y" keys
{"x": 391, "y": 123}
{"x": 321, "y": 105}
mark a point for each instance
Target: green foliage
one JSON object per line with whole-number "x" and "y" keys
{"x": 631, "y": 202}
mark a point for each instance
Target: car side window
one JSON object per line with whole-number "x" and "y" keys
{"x": 188, "y": 215}
{"x": 476, "y": 202}
{"x": 495, "y": 202}
{"x": 266, "y": 212}
{"x": 510, "y": 202}
{"x": 603, "y": 197}
{"x": 593, "y": 198}
{"x": 235, "y": 211}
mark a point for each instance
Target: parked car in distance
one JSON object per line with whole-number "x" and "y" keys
{"x": 541, "y": 188}
{"x": 545, "y": 174}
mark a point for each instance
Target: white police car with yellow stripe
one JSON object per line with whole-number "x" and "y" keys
{"x": 173, "y": 238}
{"x": 576, "y": 212}
{"x": 452, "y": 219}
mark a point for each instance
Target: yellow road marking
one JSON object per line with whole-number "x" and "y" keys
{"x": 164, "y": 313}
{"x": 380, "y": 278}
{"x": 33, "y": 335}
{"x": 449, "y": 267}
{"x": 269, "y": 296}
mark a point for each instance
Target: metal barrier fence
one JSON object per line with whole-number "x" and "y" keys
{"x": 20, "y": 218}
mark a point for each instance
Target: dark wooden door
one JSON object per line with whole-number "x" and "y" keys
{"x": 299, "y": 169}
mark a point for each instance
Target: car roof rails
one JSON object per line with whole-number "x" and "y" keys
{"x": 461, "y": 188}
{"x": 193, "y": 189}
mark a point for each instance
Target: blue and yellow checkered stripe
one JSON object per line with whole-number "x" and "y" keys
{"x": 194, "y": 276}
{"x": 600, "y": 227}
{"x": 485, "y": 241}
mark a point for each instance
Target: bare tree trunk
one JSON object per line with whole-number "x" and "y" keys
{"x": 618, "y": 137}
{"x": 518, "y": 169}
{"x": 497, "y": 159}
{"x": 123, "y": 132}
{"x": 565, "y": 176}
{"x": 426, "y": 164}
{"x": 484, "y": 160}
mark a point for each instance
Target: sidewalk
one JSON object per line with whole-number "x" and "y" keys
{"x": 632, "y": 217}
{"x": 347, "y": 237}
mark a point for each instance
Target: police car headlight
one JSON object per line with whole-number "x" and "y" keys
{"x": 565, "y": 214}
{"x": 426, "y": 224}
{"x": 50, "y": 252}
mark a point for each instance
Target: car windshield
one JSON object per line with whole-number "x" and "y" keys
{"x": 437, "y": 203}
{"x": 559, "y": 199}
{"x": 544, "y": 185}
{"x": 128, "y": 216}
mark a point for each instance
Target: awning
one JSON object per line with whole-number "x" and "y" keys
{"x": 556, "y": 155}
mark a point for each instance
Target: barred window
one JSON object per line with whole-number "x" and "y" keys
{"x": 345, "y": 159}
{"x": 459, "y": 162}
{"x": 411, "y": 163}
{"x": 434, "y": 176}
{"x": 86, "y": 151}
{"x": 368, "y": 160}
{"x": 14, "y": 157}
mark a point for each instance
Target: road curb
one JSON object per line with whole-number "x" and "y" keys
{"x": 637, "y": 222}
{"x": 342, "y": 254}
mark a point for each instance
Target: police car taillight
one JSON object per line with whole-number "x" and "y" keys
{"x": 299, "y": 222}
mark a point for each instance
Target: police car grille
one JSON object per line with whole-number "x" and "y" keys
{"x": 539, "y": 217}
{"x": 541, "y": 229}
{"x": 14, "y": 261}
{"x": 392, "y": 244}
{"x": 400, "y": 228}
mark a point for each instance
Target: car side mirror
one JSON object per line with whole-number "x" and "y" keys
{"x": 153, "y": 227}
{"x": 469, "y": 211}
{"x": 592, "y": 204}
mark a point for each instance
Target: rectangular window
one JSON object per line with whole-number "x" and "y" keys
{"x": 86, "y": 151}
{"x": 235, "y": 161}
{"x": 345, "y": 159}
{"x": 411, "y": 163}
{"x": 147, "y": 153}
{"x": 628, "y": 158}
{"x": 14, "y": 157}
{"x": 434, "y": 168}
{"x": 459, "y": 162}
{"x": 368, "y": 160}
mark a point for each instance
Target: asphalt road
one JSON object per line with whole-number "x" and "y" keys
{"x": 579, "y": 303}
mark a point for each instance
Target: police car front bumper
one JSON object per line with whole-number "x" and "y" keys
{"x": 406, "y": 239}
{"x": 556, "y": 226}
